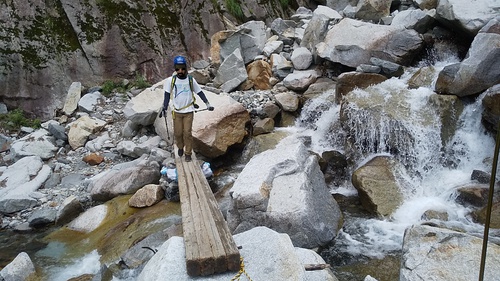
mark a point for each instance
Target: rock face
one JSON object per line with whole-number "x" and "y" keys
{"x": 45, "y": 48}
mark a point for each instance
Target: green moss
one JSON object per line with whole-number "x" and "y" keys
{"x": 109, "y": 87}
{"x": 284, "y": 4}
{"x": 15, "y": 119}
{"x": 49, "y": 33}
{"x": 140, "y": 82}
{"x": 234, "y": 8}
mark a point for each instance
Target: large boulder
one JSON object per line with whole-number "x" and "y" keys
{"x": 39, "y": 143}
{"x": 491, "y": 104}
{"x": 480, "y": 70}
{"x": 19, "y": 181}
{"x": 215, "y": 131}
{"x": 393, "y": 117}
{"x": 21, "y": 268}
{"x": 285, "y": 190}
{"x": 124, "y": 178}
{"x": 143, "y": 109}
{"x": 466, "y": 17}
{"x": 232, "y": 72}
{"x": 429, "y": 252}
{"x": 250, "y": 39}
{"x": 378, "y": 187}
{"x": 352, "y": 42}
{"x": 261, "y": 248}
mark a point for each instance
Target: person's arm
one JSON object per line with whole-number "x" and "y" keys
{"x": 166, "y": 100}
{"x": 201, "y": 94}
{"x": 166, "y": 93}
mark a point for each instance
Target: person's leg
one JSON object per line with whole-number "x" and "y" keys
{"x": 187, "y": 132}
{"x": 178, "y": 128}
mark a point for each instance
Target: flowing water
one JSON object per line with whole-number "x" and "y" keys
{"x": 435, "y": 165}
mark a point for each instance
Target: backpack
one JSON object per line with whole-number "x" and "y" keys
{"x": 172, "y": 86}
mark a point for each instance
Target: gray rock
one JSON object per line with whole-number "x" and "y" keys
{"x": 415, "y": 19}
{"x": 39, "y": 143}
{"x": 479, "y": 71}
{"x": 21, "y": 179}
{"x": 90, "y": 219}
{"x": 430, "y": 251}
{"x": 301, "y": 58}
{"x": 124, "y": 181}
{"x": 231, "y": 73}
{"x": 58, "y": 131}
{"x": 284, "y": 189}
{"x": 300, "y": 80}
{"x": 469, "y": 19}
{"x": 352, "y": 42}
{"x": 21, "y": 268}
{"x": 72, "y": 98}
{"x": 3, "y": 108}
{"x": 42, "y": 217}
{"x": 69, "y": 209}
{"x": 388, "y": 68}
{"x": 282, "y": 262}
{"x": 88, "y": 102}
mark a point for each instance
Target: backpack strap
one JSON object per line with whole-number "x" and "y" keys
{"x": 174, "y": 88}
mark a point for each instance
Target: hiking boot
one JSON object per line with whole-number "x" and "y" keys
{"x": 188, "y": 158}
{"x": 180, "y": 152}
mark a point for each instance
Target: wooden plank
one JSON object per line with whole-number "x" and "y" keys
{"x": 192, "y": 253}
{"x": 209, "y": 245}
{"x": 195, "y": 264}
{"x": 212, "y": 229}
{"x": 203, "y": 220}
{"x": 227, "y": 244}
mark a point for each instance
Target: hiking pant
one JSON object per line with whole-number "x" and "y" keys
{"x": 183, "y": 124}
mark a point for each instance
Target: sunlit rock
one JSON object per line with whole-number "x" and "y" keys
{"x": 147, "y": 196}
{"x": 285, "y": 190}
{"x": 82, "y": 128}
{"x": 90, "y": 220}
{"x": 377, "y": 186}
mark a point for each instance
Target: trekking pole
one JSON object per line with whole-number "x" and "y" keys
{"x": 164, "y": 114}
{"x": 201, "y": 110}
{"x": 489, "y": 206}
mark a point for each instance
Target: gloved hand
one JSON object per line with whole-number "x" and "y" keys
{"x": 210, "y": 107}
{"x": 163, "y": 112}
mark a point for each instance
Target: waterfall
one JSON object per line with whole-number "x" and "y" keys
{"x": 438, "y": 149}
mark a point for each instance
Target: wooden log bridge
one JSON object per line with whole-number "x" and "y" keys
{"x": 209, "y": 245}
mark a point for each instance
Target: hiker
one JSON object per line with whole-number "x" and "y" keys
{"x": 180, "y": 88}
